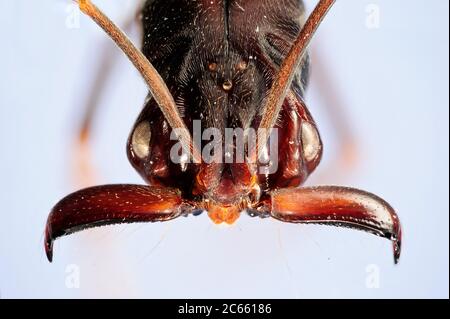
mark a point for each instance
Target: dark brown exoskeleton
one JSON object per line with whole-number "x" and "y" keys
{"x": 226, "y": 64}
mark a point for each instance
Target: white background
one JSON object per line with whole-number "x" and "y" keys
{"x": 392, "y": 83}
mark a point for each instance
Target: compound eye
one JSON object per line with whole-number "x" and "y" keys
{"x": 311, "y": 143}
{"x": 242, "y": 65}
{"x": 212, "y": 67}
{"x": 140, "y": 140}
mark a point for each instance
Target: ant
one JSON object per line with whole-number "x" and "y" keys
{"x": 223, "y": 64}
